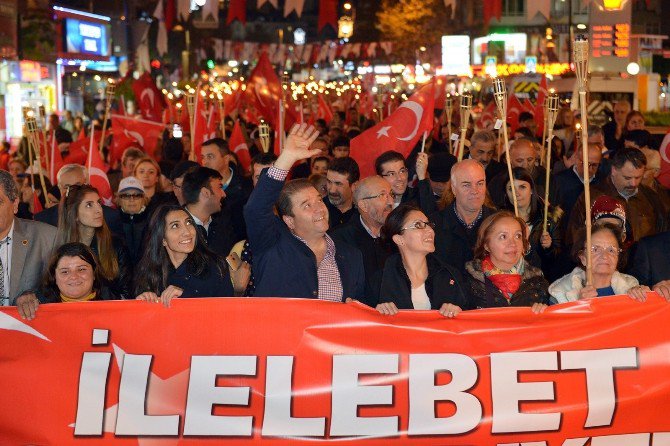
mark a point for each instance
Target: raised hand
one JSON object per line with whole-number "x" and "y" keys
{"x": 297, "y": 144}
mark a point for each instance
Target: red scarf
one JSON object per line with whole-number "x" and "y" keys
{"x": 506, "y": 281}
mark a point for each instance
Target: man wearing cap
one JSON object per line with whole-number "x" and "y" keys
{"x": 439, "y": 174}
{"x": 132, "y": 203}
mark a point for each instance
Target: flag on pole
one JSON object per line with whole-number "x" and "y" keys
{"x": 97, "y": 176}
{"x": 239, "y": 146}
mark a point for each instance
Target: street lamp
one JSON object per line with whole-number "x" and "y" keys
{"x": 345, "y": 24}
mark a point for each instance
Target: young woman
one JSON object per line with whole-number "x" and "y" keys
{"x": 80, "y": 219}
{"x": 73, "y": 275}
{"x": 175, "y": 264}
{"x": 414, "y": 278}
{"x": 499, "y": 276}
{"x": 607, "y": 256}
{"x": 148, "y": 172}
{"x": 544, "y": 246}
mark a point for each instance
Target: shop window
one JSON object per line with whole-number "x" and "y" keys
{"x": 514, "y": 8}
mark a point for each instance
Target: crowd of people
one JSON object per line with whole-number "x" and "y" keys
{"x": 424, "y": 232}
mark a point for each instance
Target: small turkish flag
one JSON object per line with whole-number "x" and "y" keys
{"x": 97, "y": 176}
{"x": 55, "y": 160}
{"x": 514, "y": 109}
{"x": 487, "y": 118}
{"x": 149, "y": 98}
{"x": 133, "y": 132}
{"x": 239, "y": 145}
{"x": 400, "y": 131}
{"x": 324, "y": 111}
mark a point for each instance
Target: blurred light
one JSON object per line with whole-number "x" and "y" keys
{"x": 633, "y": 68}
{"x": 347, "y": 6}
{"x": 581, "y": 26}
{"x": 210, "y": 64}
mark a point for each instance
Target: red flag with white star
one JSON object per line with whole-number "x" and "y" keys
{"x": 400, "y": 131}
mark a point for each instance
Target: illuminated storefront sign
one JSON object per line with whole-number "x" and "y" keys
{"x": 610, "y": 32}
{"x": 554, "y": 69}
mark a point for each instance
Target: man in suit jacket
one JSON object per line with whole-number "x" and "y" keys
{"x": 650, "y": 264}
{"x": 25, "y": 249}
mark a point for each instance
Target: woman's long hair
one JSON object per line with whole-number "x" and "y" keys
{"x": 536, "y": 202}
{"x": 155, "y": 265}
{"x": 68, "y": 229}
{"x": 49, "y": 288}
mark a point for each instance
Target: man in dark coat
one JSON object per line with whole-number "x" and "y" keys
{"x": 457, "y": 224}
{"x": 293, "y": 255}
{"x": 341, "y": 176}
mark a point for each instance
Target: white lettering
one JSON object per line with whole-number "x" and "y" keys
{"x": 131, "y": 419}
{"x": 277, "y": 420}
{"x": 423, "y": 393}
{"x": 86, "y": 30}
{"x": 599, "y": 366}
{"x": 91, "y": 400}
{"x": 507, "y": 392}
{"x": 203, "y": 393}
{"x": 348, "y": 395}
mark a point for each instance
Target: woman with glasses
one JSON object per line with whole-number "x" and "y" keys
{"x": 414, "y": 278}
{"x": 607, "y": 257}
{"x": 80, "y": 219}
{"x": 132, "y": 203}
{"x": 499, "y": 275}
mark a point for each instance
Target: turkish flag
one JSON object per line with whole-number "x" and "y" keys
{"x": 78, "y": 150}
{"x": 231, "y": 102}
{"x": 55, "y": 160}
{"x": 327, "y": 14}
{"x": 237, "y": 10}
{"x": 201, "y": 129}
{"x": 149, "y": 98}
{"x": 440, "y": 91}
{"x": 239, "y": 145}
{"x": 487, "y": 118}
{"x": 324, "y": 111}
{"x": 129, "y": 132}
{"x": 664, "y": 150}
{"x": 400, "y": 131}
{"x": 514, "y": 109}
{"x": 492, "y": 8}
{"x": 264, "y": 89}
{"x": 97, "y": 176}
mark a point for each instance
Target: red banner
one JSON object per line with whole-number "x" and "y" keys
{"x": 288, "y": 372}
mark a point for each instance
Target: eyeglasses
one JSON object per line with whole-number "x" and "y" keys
{"x": 131, "y": 196}
{"x": 382, "y": 194}
{"x": 419, "y": 225}
{"x": 602, "y": 250}
{"x": 393, "y": 174}
{"x": 594, "y": 165}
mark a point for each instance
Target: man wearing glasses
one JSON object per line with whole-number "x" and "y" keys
{"x": 132, "y": 202}
{"x": 374, "y": 200}
{"x": 392, "y": 167}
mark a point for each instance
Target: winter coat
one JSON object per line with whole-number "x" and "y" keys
{"x": 566, "y": 289}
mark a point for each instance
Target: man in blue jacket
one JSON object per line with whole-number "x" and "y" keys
{"x": 293, "y": 255}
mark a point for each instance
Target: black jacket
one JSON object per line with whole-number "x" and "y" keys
{"x": 651, "y": 261}
{"x": 220, "y": 237}
{"x": 484, "y": 294}
{"x": 375, "y": 251}
{"x": 338, "y": 218}
{"x": 283, "y": 265}
{"x": 213, "y": 282}
{"x": 237, "y": 194}
{"x": 111, "y": 216}
{"x": 134, "y": 229}
{"x": 454, "y": 243}
{"x": 443, "y": 285}
{"x": 120, "y": 287}
{"x": 497, "y": 187}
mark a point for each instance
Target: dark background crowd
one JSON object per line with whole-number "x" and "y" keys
{"x": 425, "y": 232}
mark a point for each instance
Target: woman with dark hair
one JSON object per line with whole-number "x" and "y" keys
{"x": 606, "y": 259}
{"x": 544, "y": 246}
{"x": 413, "y": 277}
{"x": 80, "y": 219}
{"x": 499, "y": 276}
{"x": 73, "y": 275}
{"x": 175, "y": 264}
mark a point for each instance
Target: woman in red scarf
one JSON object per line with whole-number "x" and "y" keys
{"x": 499, "y": 276}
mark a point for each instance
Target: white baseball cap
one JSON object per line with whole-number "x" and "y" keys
{"x": 130, "y": 183}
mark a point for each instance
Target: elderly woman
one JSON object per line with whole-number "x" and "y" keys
{"x": 606, "y": 258}
{"x": 73, "y": 275}
{"x": 414, "y": 278}
{"x": 132, "y": 205}
{"x": 176, "y": 264}
{"x": 499, "y": 276}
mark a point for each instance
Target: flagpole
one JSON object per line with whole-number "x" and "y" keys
{"x": 90, "y": 154}
{"x": 466, "y": 107}
{"x": 109, "y": 95}
{"x": 449, "y": 109}
{"x": 43, "y": 123}
{"x": 500, "y": 95}
{"x": 222, "y": 119}
{"x": 191, "y": 100}
{"x": 423, "y": 143}
{"x": 33, "y": 142}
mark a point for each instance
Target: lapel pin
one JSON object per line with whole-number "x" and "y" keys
{"x": 24, "y": 242}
